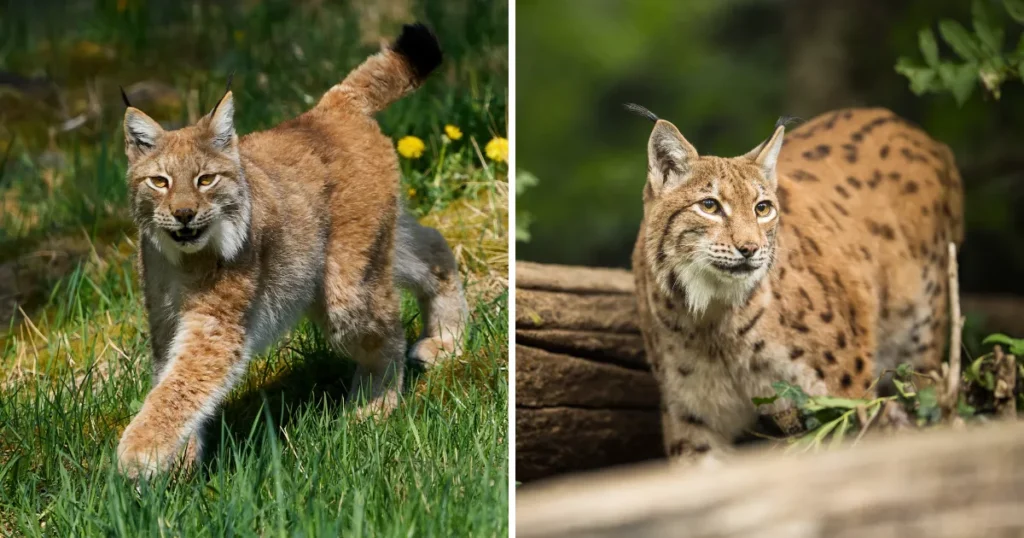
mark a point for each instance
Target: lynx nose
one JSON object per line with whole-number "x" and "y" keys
{"x": 747, "y": 249}
{"x": 184, "y": 216}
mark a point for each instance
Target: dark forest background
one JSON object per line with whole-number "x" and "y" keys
{"x": 723, "y": 71}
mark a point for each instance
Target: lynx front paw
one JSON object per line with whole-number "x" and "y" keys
{"x": 379, "y": 408}
{"x": 145, "y": 451}
{"x": 433, "y": 349}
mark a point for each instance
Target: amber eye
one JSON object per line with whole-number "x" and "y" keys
{"x": 709, "y": 205}
{"x": 206, "y": 180}
{"x": 763, "y": 209}
{"x": 158, "y": 182}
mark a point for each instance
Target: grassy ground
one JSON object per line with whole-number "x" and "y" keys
{"x": 73, "y": 345}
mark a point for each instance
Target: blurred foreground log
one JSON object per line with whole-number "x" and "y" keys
{"x": 585, "y": 398}
{"x": 936, "y": 483}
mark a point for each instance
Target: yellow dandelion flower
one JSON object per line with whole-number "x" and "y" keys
{"x": 453, "y": 132}
{"x": 411, "y": 147}
{"x": 497, "y": 149}
{"x": 412, "y": 192}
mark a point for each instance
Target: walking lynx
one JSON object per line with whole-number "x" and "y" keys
{"x": 242, "y": 236}
{"x": 819, "y": 262}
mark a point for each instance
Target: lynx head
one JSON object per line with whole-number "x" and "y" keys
{"x": 187, "y": 189}
{"x": 711, "y": 222}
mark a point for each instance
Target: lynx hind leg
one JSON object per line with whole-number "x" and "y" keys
{"x": 380, "y": 371}
{"x": 375, "y": 341}
{"x": 426, "y": 266}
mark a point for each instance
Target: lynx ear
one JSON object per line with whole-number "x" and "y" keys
{"x": 141, "y": 133}
{"x": 670, "y": 158}
{"x": 766, "y": 154}
{"x": 222, "y": 123}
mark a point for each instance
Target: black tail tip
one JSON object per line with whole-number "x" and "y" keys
{"x": 641, "y": 111}
{"x": 419, "y": 46}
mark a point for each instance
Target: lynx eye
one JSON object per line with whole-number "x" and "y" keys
{"x": 709, "y": 205}
{"x": 763, "y": 209}
{"x": 206, "y": 180}
{"x": 158, "y": 182}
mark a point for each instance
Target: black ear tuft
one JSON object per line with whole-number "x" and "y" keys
{"x": 641, "y": 111}
{"x": 227, "y": 88}
{"x": 124, "y": 97}
{"x": 420, "y": 48}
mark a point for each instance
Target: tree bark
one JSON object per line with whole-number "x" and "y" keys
{"x": 936, "y": 483}
{"x": 585, "y": 398}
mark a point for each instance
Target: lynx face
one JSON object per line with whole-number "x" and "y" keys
{"x": 187, "y": 187}
{"x": 713, "y": 220}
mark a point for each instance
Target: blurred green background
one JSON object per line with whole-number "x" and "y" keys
{"x": 723, "y": 71}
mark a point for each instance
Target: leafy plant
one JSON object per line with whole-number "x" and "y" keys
{"x": 1014, "y": 345}
{"x": 981, "y": 53}
{"x": 524, "y": 180}
{"x": 831, "y": 419}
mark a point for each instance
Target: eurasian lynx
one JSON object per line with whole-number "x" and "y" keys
{"x": 818, "y": 262}
{"x": 240, "y": 237}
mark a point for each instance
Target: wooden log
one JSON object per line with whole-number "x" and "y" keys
{"x": 585, "y": 398}
{"x": 936, "y": 483}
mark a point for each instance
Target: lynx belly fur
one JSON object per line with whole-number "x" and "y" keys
{"x": 242, "y": 236}
{"x": 818, "y": 259}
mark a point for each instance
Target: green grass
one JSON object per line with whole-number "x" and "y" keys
{"x": 286, "y": 459}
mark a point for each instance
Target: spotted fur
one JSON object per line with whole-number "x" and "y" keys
{"x": 846, "y": 277}
{"x": 241, "y": 237}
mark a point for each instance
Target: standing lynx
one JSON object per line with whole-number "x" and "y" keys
{"x": 239, "y": 237}
{"x": 818, "y": 262}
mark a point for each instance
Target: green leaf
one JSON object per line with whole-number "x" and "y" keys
{"x": 904, "y": 370}
{"x": 841, "y": 429}
{"x": 960, "y": 40}
{"x": 927, "y": 404}
{"x": 964, "y": 409}
{"x": 764, "y": 401}
{"x": 825, "y": 429}
{"x": 525, "y": 180}
{"x": 959, "y": 80}
{"x": 1015, "y": 8}
{"x": 828, "y": 402}
{"x": 990, "y": 35}
{"x": 901, "y": 387}
{"x": 929, "y": 48}
{"x": 793, "y": 392}
{"x": 922, "y": 79}
{"x": 1014, "y": 345}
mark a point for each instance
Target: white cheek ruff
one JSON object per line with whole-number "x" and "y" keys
{"x": 167, "y": 247}
{"x": 228, "y": 235}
